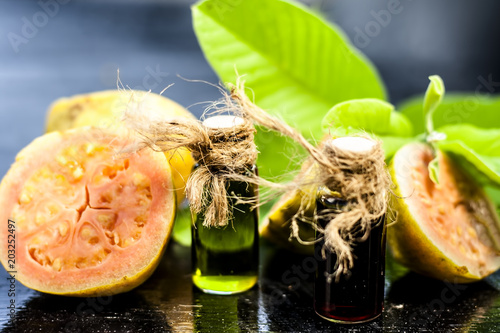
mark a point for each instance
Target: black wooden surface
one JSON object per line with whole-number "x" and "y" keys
{"x": 79, "y": 50}
{"x": 282, "y": 302}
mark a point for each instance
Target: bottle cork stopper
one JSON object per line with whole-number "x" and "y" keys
{"x": 223, "y": 121}
{"x": 352, "y": 144}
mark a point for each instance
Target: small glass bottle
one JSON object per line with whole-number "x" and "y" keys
{"x": 358, "y": 296}
{"x": 225, "y": 259}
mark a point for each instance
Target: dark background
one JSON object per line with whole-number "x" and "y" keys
{"x": 81, "y": 47}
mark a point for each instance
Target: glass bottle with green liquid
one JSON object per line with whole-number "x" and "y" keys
{"x": 225, "y": 258}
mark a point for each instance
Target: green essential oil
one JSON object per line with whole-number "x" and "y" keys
{"x": 225, "y": 259}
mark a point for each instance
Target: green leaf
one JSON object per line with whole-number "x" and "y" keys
{"x": 433, "y": 168}
{"x": 392, "y": 144}
{"x": 432, "y": 99}
{"x": 478, "y": 146}
{"x": 182, "y": 226}
{"x": 297, "y": 64}
{"x": 371, "y": 116}
{"x": 368, "y": 114}
{"x": 481, "y": 111}
{"x": 494, "y": 195}
{"x": 279, "y": 156}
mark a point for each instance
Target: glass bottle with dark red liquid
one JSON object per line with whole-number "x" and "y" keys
{"x": 359, "y": 296}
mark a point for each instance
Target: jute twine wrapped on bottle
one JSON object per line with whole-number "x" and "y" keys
{"x": 359, "y": 177}
{"x": 222, "y": 154}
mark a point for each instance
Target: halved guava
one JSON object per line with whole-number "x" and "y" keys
{"x": 104, "y": 109}
{"x": 449, "y": 231}
{"x": 277, "y": 225}
{"x": 88, "y": 221}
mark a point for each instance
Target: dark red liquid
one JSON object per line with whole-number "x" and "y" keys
{"x": 360, "y": 296}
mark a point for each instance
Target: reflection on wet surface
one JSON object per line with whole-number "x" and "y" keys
{"x": 282, "y": 302}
